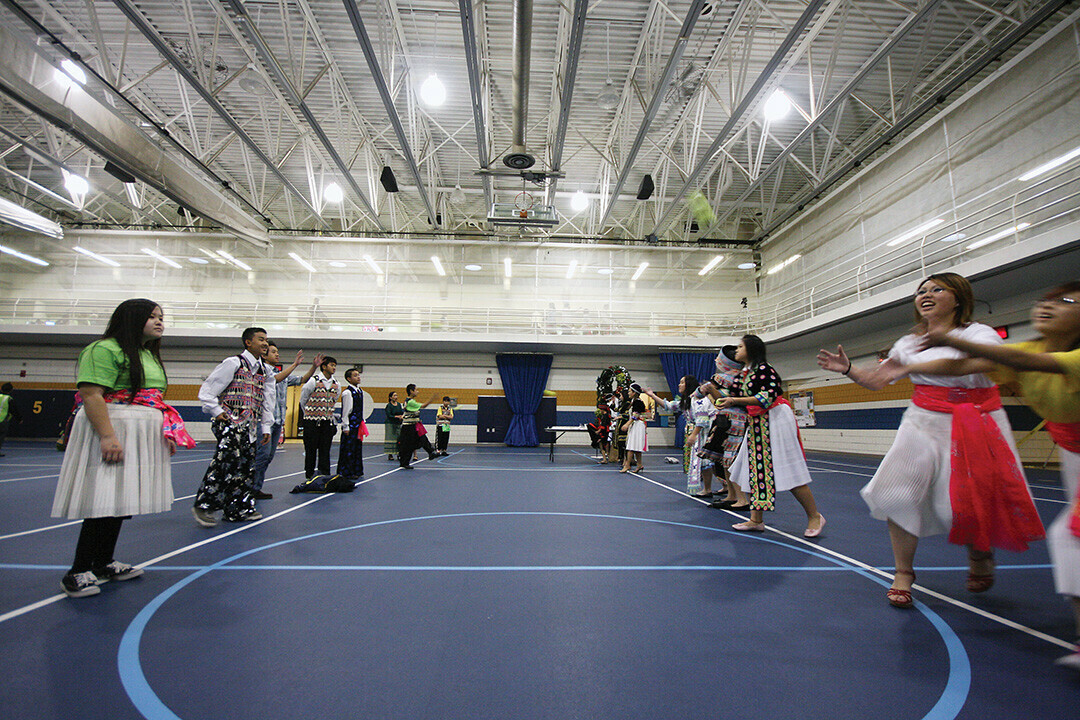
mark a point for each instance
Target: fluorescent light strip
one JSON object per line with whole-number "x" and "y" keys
{"x": 18, "y": 216}
{"x": 1047, "y": 167}
{"x": 438, "y": 265}
{"x": 916, "y": 232}
{"x": 780, "y": 266}
{"x": 23, "y": 256}
{"x": 570, "y": 269}
{"x": 158, "y": 256}
{"x": 639, "y": 271}
{"x": 95, "y": 256}
{"x": 303, "y": 263}
{"x": 997, "y": 236}
{"x": 238, "y": 263}
{"x": 507, "y": 267}
{"x": 374, "y": 266}
{"x": 212, "y": 256}
{"x": 711, "y": 264}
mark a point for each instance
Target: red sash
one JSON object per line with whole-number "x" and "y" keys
{"x": 171, "y": 425}
{"x": 1067, "y": 436}
{"x": 757, "y": 411}
{"x": 990, "y": 501}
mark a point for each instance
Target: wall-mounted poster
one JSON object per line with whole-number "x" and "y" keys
{"x": 803, "y": 405}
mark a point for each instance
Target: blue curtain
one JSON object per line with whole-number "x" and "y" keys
{"x": 678, "y": 364}
{"x": 524, "y": 377}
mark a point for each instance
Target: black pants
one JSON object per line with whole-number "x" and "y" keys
{"x": 97, "y": 542}
{"x": 408, "y": 441}
{"x": 318, "y": 437}
{"x": 442, "y": 438}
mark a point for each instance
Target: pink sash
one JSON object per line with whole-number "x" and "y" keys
{"x": 171, "y": 424}
{"x": 1067, "y": 436}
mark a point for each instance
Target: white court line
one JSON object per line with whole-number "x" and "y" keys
{"x": 242, "y": 528}
{"x": 57, "y": 473}
{"x": 888, "y": 576}
{"x": 175, "y": 499}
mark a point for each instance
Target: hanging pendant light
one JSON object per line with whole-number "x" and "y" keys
{"x": 609, "y": 97}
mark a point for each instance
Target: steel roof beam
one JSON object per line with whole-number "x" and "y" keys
{"x": 677, "y": 51}
{"x": 739, "y": 112}
{"x": 148, "y": 31}
{"x": 476, "y": 91}
{"x": 270, "y": 61}
{"x": 27, "y": 80}
{"x": 388, "y": 101}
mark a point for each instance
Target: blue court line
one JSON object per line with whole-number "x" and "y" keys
{"x": 462, "y": 568}
{"x": 146, "y": 701}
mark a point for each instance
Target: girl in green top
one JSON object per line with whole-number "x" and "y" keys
{"x": 117, "y": 459}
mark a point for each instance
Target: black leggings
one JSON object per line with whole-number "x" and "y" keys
{"x": 97, "y": 542}
{"x": 408, "y": 441}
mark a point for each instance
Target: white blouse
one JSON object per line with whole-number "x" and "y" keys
{"x": 905, "y": 351}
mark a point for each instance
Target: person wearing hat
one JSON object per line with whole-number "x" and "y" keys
{"x": 727, "y": 429}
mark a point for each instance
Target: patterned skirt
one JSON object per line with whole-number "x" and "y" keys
{"x": 389, "y": 445}
{"x": 141, "y": 484}
{"x": 770, "y": 458}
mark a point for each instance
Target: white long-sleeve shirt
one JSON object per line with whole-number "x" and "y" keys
{"x": 346, "y": 405}
{"x": 309, "y": 386}
{"x": 222, "y": 376}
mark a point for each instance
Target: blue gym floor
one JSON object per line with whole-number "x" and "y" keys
{"x": 496, "y": 584}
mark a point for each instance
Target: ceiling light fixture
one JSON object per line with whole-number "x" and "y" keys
{"x": 212, "y": 256}
{"x": 507, "y": 268}
{"x": 998, "y": 235}
{"x": 76, "y": 184}
{"x": 373, "y": 265}
{"x": 604, "y": 271}
{"x": 23, "y": 256}
{"x": 747, "y": 266}
{"x": 69, "y": 71}
{"x": 303, "y": 263}
{"x": 781, "y": 265}
{"x": 579, "y": 201}
{"x": 1047, "y": 167}
{"x": 609, "y": 97}
{"x": 639, "y": 271}
{"x": 18, "y": 216}
{"x": 95, "y": 256}
{"x": 915, "y": 232}
{"x": 457, "y": 195}
{"x": 332, "y": 193}
{"x": 336, "y": 263}
{"x": 777, "y": 106}
{"x": 438, "y": 265}
{"x": 710, "y": 265}
{"x": 955, "y": 237}
{"x": 570, "y": 269}
{"x": 473, "y": 268}
{"x": 158, "y": 256}
{"x": 238, "y": 263}
{"x": 199, "y": 260}
{"x": 432, "y": 91}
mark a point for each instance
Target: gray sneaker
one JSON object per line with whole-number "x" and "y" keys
{"x": 80, "y": 584}
{"x": 204, "y": 517}
{"x": 116, "y": 571}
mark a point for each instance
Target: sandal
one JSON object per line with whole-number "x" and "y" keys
{"x": 901, "y": 598}
{"x": 980, "y": 582}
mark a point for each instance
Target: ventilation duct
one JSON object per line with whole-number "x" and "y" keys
{"x": 519, "y": 158}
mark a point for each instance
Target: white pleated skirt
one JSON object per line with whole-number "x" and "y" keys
{"x": 789, "y": 462}
{"x": 911, "y": 486}
{"x": 1063, "y": 545}
{"x": 139, "y": 485}
{"x": 637, "y": 438}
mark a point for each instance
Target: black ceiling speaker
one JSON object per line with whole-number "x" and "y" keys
{"x": 389, "y": 182}
{"x": 119, "y": 173}
{"x": 645, "y": 191}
